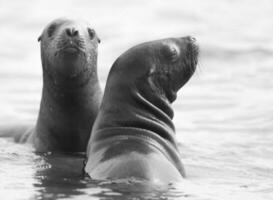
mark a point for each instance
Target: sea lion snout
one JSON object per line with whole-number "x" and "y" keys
{"x": 193, "y": 52}
{"x": 71, "y": 32}
{"x": 71, "y": 41}
{"x": 189, "y": 38}
{"x": 70, "y": 45}
{"x": 191, "y": 48}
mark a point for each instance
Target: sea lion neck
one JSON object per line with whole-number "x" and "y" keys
{"x": 71, "y": 94}
{"x": 138, "y": 106}
{"x": 145, "y": 89}
{"x": 74, "y": 110}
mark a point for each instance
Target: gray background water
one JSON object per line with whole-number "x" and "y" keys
{"x": 223, "y": 116}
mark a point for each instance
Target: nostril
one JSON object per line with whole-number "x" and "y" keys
{"x": 71, "y": 32}
{"x": 68, "y": 31}
{"x": 75, "y": 32}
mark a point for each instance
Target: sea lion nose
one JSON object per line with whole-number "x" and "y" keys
{"x": 71, "y": 32}
{"x": 191, "y": 39}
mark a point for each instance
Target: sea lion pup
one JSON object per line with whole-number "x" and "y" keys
{"x": 71, "y": 92}
{"x": 133, "y": 135}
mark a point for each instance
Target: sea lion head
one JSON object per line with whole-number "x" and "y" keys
{"x": 69, "y": 51}
{"x": 163, "y": 65}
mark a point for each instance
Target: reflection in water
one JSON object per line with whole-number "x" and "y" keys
{"x": 132, "y": 189}
{"x": 60, "y": 176}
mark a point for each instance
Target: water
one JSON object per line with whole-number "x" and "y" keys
{"x": 223, "y": 116}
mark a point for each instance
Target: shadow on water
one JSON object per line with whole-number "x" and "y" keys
{"x": 137, "y": 190}
{"x": 60, "y": 176}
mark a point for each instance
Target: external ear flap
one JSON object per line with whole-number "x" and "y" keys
{"x": 98, "y": 39}
{"x": 39, "y": 38}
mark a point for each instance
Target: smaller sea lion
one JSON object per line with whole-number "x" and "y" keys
{"x": 71, "y": 91}
{"x": 133, "y": 135}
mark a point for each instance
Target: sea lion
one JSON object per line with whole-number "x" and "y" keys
{"x": 71, "y": 92}
{"x": 133, "y": 135}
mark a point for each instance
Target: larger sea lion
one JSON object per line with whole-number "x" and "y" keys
{"x": 71, "y": 91}
{"x": 133, "y": 135}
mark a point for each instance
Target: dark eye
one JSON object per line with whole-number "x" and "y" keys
{"x": 170, "y": 52}
{"x": 91, "y": 33}
{"x": 51, "y": 29}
